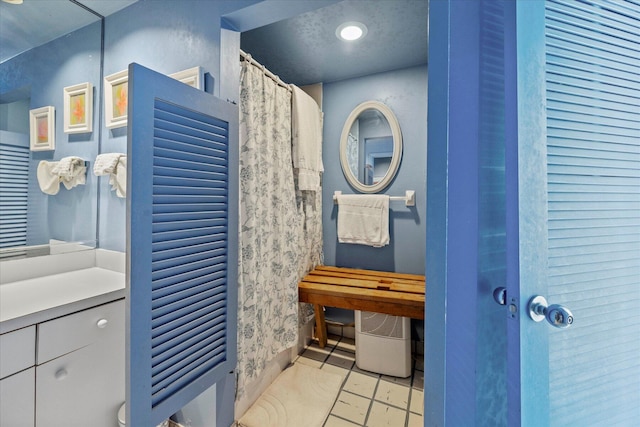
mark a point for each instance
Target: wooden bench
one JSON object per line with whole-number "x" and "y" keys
{"x": 397, "y": 294}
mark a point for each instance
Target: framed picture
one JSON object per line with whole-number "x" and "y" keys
{"x": 193, "y": 77}
{"x": 42, "y": 129}
{"x": 116, "y": 99}
{"x": 78, "y": 108}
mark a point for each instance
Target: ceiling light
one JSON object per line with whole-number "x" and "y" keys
{"x": 13, "y": 1}
{"x": 351, "y": 31}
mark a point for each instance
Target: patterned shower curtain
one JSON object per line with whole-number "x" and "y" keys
{"x": 278, "y": 243}
{"x": 310, "y": 237}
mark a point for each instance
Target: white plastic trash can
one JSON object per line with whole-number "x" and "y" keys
{"x": 383, "y": 343}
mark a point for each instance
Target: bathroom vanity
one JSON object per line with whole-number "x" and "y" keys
{"x": 62, "y": 339}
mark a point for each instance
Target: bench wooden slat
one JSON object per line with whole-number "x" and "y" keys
{"x": 369, "y": 300}
{"x": 383, "y": 295}
{"x": 357, "y": 303}
{"x": 366, "y": 284}
{"x": 356, "y": 276}
{"x": 376, "y": 273}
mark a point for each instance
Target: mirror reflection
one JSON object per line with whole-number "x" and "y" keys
{"x": 371, "y": 147}
{"x": 35, "y": 67}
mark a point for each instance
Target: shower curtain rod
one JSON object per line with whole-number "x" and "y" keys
{"x": 244, "y": 56}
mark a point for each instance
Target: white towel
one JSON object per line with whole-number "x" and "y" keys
{"x": 71, "y": 171}
{"x": 306, "y": 134}
{"x": 114, "y": 165}
{"x": 118, "y": 179}
{"x": 79, "y": 177}
{"x": 106, "y": 163}
{"x": 48, "y": 181}
{"x": 363, "y": 219}
{"x": 69, "y": 167}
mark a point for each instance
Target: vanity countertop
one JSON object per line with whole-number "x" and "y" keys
{"x": 31, "y": 301}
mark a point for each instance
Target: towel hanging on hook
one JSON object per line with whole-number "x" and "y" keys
{"x": 70, "y": 171}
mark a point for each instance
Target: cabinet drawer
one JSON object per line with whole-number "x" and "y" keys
{"x": 66, "y": 334}
{"x": 17, "y": 350}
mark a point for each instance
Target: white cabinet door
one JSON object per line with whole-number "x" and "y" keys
{"x": 17, "y": 404}
{"x": 84, "y": 387}
{"x": 17, "y": 351}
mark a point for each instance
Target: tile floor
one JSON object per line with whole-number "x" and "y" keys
{"x": 366, "y": 398}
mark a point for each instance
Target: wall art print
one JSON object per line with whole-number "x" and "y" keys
{"x": 42, "y": 129}
{"x": 116, "y": 99}
{"x": 78, "y": 108}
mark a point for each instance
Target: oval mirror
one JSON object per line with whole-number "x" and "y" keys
{"x": 370, "y": 147}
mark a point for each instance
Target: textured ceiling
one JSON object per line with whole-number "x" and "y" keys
{"x": 301, "y": 50}
{"x": 36, "y": 22}
{"x": 305, "y": 49}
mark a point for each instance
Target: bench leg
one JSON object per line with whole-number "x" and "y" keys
{"x": 321, "y": 326}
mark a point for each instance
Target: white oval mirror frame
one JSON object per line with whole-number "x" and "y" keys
{"x": 397, "y": 147}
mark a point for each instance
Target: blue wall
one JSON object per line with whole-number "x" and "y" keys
{"x": 405, "y": 92}
{"x": 41, "y": 74}
{"x": 166, "y": 36}
{"x": 170, "y": 36}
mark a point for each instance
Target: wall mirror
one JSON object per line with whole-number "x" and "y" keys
{"x": 46, "y": 46}
{"x": 370, "y": 147}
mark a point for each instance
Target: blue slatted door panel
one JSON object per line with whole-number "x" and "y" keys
{"x": 491, "y": 342}
{"x": 182, "y": 210}
{"x": 14, "y": 186}
{"x": 593, "y": 173}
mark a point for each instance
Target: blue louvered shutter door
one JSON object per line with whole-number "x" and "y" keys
{"x": 593, "y": 186}
{"x": 181, "y": 246}
{"x": 579, "y": 213}
{"x": 14, "y": 182}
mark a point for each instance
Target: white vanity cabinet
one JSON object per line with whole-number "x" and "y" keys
{"x": 71, "y": 375}
{"x": 81, "y": 368}
{"x": 17, "y": 377}
{"x": 62, "y": 340}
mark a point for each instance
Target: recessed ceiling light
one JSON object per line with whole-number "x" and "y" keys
{"x": 351, "y": 31}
